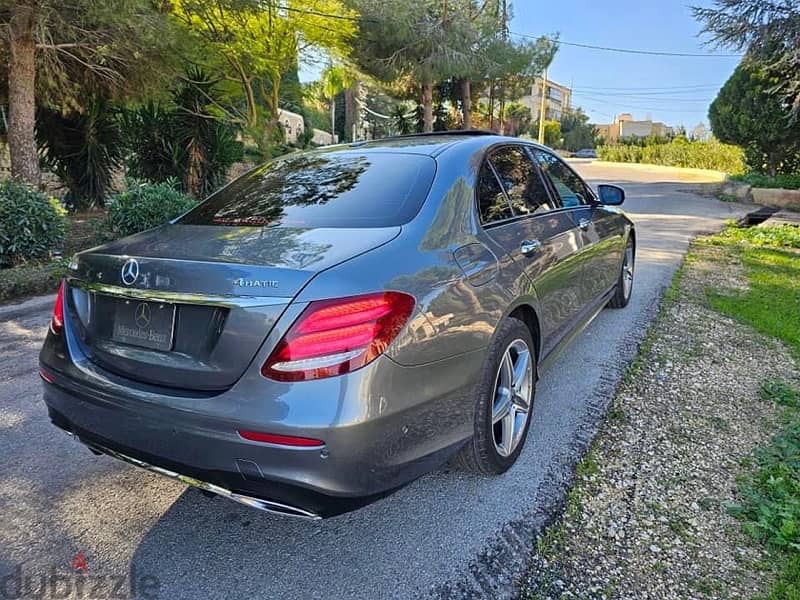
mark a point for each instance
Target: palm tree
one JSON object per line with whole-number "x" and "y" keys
{"x": 335, "y": 79}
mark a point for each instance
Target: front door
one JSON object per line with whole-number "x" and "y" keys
{"x": 519, "y": 215}
{"x": 602, "y": 247}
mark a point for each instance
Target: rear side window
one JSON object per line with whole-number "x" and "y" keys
{"x": 492, "y": 202}
{"x": 336, "y": 189}
{"x": 520, "y": 180}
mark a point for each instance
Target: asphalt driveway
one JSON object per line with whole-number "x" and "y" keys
{"x": 448, "y": 534}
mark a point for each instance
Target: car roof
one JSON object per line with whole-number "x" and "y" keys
{"x": 430, "y": 144}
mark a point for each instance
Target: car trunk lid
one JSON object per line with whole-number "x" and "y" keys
{"x": 189, "y": 306}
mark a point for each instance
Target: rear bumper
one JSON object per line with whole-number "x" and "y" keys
{"x": 363, "y": 459}
{"x": 272, "y": 506}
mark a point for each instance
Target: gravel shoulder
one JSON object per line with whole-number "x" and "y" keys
{"x": 647, "y": 515}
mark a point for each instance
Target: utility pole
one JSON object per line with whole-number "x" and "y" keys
{"x": 542, "y": 107}
{"x": 503, "y": 83}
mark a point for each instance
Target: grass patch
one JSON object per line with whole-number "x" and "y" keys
{"x": 771, "y": 303}
{"x": 777, "y": 236}
{"x": 770, "y": 490}
{"x": 787, "y": 182}
{"x": 770, "y": 506}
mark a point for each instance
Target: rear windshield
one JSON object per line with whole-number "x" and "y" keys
{"x": 337, "y": 189}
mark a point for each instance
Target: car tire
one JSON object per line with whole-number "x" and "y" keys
{"x": 496, "y": 444}
{"x": 624, "y": 287}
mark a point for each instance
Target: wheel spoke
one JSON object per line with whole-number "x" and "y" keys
{"x": 502, "y": 403}
{"x": 507, "y": 371}
{"x": 509, "y": 421}
{"x": 521, "y": 369}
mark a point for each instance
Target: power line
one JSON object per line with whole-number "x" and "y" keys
{"x": 650, "y": 91}
{"x": 628, "y": 50}
{"x": 647, "y": 97}
{"x": 316, "y": 13}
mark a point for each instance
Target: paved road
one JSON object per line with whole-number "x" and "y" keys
{"x": 448, "y": 534}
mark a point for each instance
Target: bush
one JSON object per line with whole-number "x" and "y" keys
{"x": 83, "y": 149}
{"x": 679, "y": 153}
{"x": 31, "y": 224}
{"x": 146, "y": 205}
{"x": 31, "y": 279}
{"x": 757, "y": 180}
{"x": 184, "y": 139}
{"x": 747, "y": 112}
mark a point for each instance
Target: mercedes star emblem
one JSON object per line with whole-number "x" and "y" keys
{"x": 142, "y": 315}
{"x": 130, "y": 271}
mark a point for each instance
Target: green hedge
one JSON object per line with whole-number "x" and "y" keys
{"x": 31, "y": 224}
{"x": 679, "y": 153}
{"x": 146, "y": 205}
{"x": 757, "y": 180}
{"x": 31, "y": 279}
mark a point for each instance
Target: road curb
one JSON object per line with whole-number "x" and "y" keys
{"x": 21, "y": 309}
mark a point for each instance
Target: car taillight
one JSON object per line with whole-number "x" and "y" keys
{"x": 57, "y": 320}
{"x": 333, "y": 337}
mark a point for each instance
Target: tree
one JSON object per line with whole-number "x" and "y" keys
{"x": 767, "y": 30}
{"x": 552, "y": 133}
{"x": 578, "y": 133}
{"x": 747, "y": 114}
{"x": 517, "y": 118}
{"x": 254, "y": 43}
{"x": 61, "y": 53}
{"x": 184, "y": 139}
{"x": 417, "y": 44}
{"x": 499, "y": 63}
{"x": 335, "y": 79}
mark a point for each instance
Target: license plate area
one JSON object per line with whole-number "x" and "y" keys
{"x": 144, "y": 324}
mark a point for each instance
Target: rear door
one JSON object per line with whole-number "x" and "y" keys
{"x": 600, "y": 240}
{"x": 518, "y": 213}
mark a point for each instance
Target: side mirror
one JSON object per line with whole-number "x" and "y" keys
{"x": 611, "y": 195}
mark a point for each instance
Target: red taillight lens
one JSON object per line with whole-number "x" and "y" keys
{"x": 57, "y": 321}
{"x": 333, "y": 337}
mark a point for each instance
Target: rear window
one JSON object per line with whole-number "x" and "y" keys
{"x": 337, "y": 189}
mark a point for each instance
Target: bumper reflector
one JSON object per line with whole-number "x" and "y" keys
{"x": 281, "y": 440}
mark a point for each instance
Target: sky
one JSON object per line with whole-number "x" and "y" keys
{"x": 675, "y": 90}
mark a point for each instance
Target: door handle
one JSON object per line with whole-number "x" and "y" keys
{"x": 584, "y": 224}
{"x": 529, "y": 247}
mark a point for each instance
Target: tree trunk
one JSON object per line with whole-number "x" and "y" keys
{"x": 427, "y": 106}
{"x": 333, "y": 119}
{"x": 21, "y": 96}
{"x": 352, "y": 112}
{"x": 466, "y": 103}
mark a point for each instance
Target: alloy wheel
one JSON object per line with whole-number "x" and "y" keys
{"x": 627, "y": 271}
{"x": 512, "y": 397}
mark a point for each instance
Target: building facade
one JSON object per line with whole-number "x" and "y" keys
{"x": 557, "y": 99}
{"x": 624, "y": 126}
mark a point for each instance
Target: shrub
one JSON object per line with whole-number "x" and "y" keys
{"x": 747, "y": 112}
{"x": 31, "y": 279}
{"x": 146, "y": 205}
{"x": 31, "y": 224}
{"x": 757, "y": 180}
{"x": 183, "y": 139}
{"x": 83, "y": 149}
{"x": 679, "y": 153}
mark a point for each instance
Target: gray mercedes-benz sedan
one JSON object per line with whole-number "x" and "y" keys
{"x": 336, "y": 323}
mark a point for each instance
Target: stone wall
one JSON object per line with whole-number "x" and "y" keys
{"x": 5, "y": 160}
